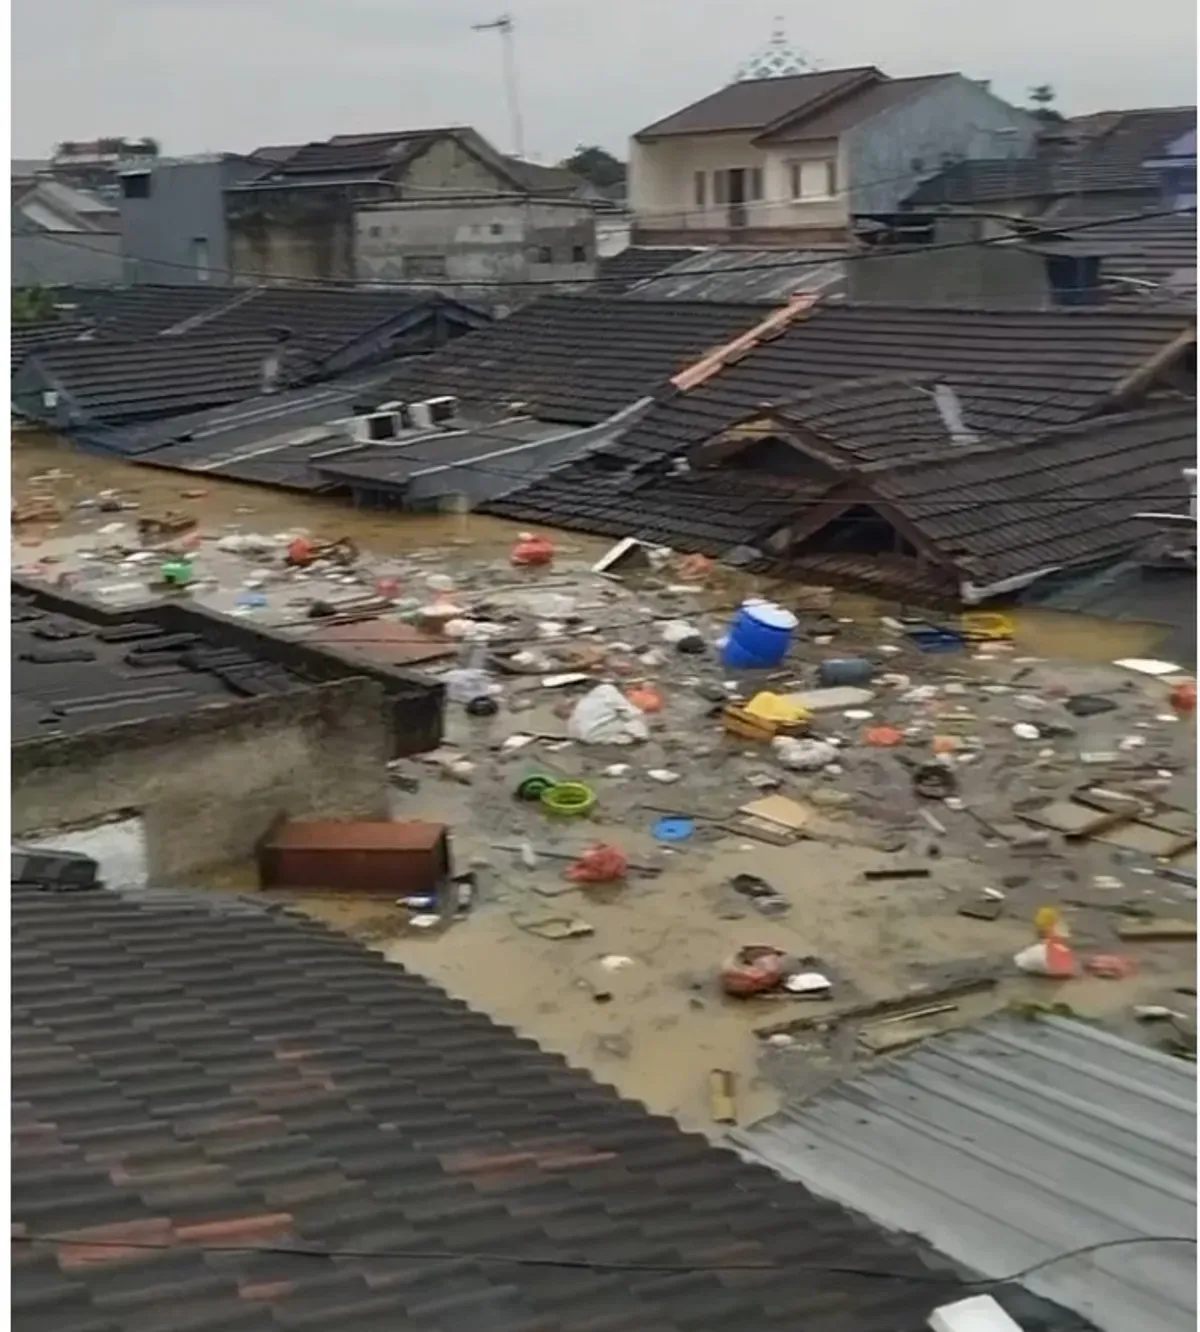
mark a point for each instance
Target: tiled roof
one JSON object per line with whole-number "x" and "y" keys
{"x": 138, "y": 312}
{"x": 755, "y": 104}
{"x": 115, "y": 381}
{"x": 352, "y": 155}
{"x": 1020, "y": 370}
{"x": 1141, "y": 132}
{"x": 199, "y": 1073}
{"x": 620, "y": 272}
{"x": 1068, "y": 498}
{"x": 538, "y": 178}
{"x": 26, "y": 337}
{"x": 994, "y": 179}
{"x": 851, "y": 111}
{"x": 575, "y": 359}
{"x": 71, "y": 675}
{"x": 1152, "y": 249}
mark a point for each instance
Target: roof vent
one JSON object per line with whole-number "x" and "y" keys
{"x": 272, "y": 364}
{"x": 950, "y": 410}
{"x": 432, "y": 412}
{"x": 377, "y": 426}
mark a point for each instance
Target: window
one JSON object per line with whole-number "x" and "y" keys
{"x": 700, "y": 181}
{"x": 544, "y": 255}
{"x": 814, "y": 180}
{"x": 200, "y": 258}
{"x": 754, "y": 184}
{"x": 424, "y": 265}
{"x": 374, "y": 232}
{"x": 136, "y": 185}
{"x": 579, "y": 254}
{"x": 497, "y": 228}
{"x": 720, "y": 187}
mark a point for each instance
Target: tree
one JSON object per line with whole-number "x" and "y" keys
{"x": 596, "y": 165}
{"x": 1042, "y": 96}
{"x": 33, "y": 305}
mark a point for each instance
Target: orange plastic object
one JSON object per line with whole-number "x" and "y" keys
{"x": 601, "y": 863}
{"x": 1060, "y": 960}
{"x": 883, "y": 737}
{"x": 300, "y": 552}
{"x": 644, "y": 698}
{"x": 944, "y": 744}
{"x": 1183, "y": 697}
{"x": 694, "y": 568}
{"x": 532, "y": 549}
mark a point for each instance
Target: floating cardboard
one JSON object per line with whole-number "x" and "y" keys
{"x": 1149, "y": 930}
{"x": 778, "y": 809}
{"x": 828, "y": 700}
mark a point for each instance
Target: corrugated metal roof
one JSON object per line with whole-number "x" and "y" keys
{"x": 734, "y": 275}
{"x": 1008, "y": 1143}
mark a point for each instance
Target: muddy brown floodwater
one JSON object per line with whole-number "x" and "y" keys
{"x": 656, "y": 942}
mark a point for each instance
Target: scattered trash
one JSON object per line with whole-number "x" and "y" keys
{"x": 483, "y": 706}
{"x": 1183, "y": 697}
{"x": 883, "y": 737}
{"x": 554, "y": 927}
{"x": 803, "y": 755}
{"x": 983, "y": 907}
{"x": 601, "y": 863}
{"x": 1110, "y": 966}
{"x": 1088, "y": 705}
{"x": 844, "y": 671}
{"x": 1149, "y": 666}
{"x": 721, "y": 1090}
{"x": 934, "y": 781}
{"x": 759, "y": 891}
{"x": 570, "y": 799}
{"x": 532, "y": 550}
{"x": 810, "y": 983}
{"x": 1026, "y": 731}
{"x": 616, "y": 962}
{"x": 1048, "y": 957}
{"x": 830, "y": 700}
{"x": 604, "y": 716}
{"x": 671, "y": 829}
{"x": 663, "y": 775}
{"x": 759, "y": 636}
{"x": 754, "y": 969}
{"x": 644, "y": 698}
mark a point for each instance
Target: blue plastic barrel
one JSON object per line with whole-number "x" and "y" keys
{"x": 836, "y": 671}
{"x": 759, "y": 636}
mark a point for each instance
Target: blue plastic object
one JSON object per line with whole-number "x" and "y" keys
{"x": 760, "y": 635}
{"x": 930, "y": 638}
{"x": 836, "y": 671}
{"x": 672, "y": 829}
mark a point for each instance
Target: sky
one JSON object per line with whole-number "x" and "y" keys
{"x": 207, "y": 75}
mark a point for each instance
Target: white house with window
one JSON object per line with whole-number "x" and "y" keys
{"x": 766, "y": 158}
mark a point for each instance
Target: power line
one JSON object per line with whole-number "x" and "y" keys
{"x": 599, "y": 1265}
{"x": 857, "y": 256}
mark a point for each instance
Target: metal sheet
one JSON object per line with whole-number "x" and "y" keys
{"x": 1009, "y": 1143}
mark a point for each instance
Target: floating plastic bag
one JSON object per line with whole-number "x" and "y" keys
{"x": 604, "y": 716}
{"x": 803, "y": 755}
{"x": 532, "y": 549}
{"x": 467, "y": 683}
{"x": 1048, "y": 957}
{"x": 601, "y": 863}
{"x": 644, "y": 698}
{"x": 754, "y": 969}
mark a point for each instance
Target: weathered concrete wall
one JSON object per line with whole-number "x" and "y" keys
{"x": 447, "y": 165}
{"x": 476, "y": 241}
{"x": 987, "y": 276}
{"x": 76, "y": 258}
{"x": 207, "y": 785}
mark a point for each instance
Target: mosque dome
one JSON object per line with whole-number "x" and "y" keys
{"x": 776, "y": 60}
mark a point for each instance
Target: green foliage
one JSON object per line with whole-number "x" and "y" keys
{"x": 596, "y": 165}
{"x": 33, "y": 305}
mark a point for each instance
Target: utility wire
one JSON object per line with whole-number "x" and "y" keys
{"x": 596, "y": 1265}
{"x": 506, "y": 283}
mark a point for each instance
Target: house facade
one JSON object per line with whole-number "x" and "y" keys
{"x": 172, "y": 215}
{"x": 796, "y": 159}
{"x": 299, "y": 219}
{"x": 482, "y": 246}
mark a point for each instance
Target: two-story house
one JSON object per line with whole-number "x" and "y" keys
{"x": 792, "y": 159}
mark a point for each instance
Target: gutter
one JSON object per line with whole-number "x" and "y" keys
{"x": 972, "y": 595}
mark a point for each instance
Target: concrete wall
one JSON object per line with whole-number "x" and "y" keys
{"x": 186, "y": 205}
{"x": 887, "y": 156}
{"x": 55, "y": 259}
{"x": 476, "y": 241}
{"x": 976, "y": 275}
{"x": 208, "y": 785}
{"x": 447, "y": 165}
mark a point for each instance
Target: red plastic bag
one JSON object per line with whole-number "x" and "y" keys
{"x": 644, "y": 698}
{"x": 754, "y": 969}
{"x": 601, "y": 863}
{"x": 532, "y": 549}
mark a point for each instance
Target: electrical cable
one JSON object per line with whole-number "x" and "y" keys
{"x": 506, "y": 283}
{"x": 596, "y": 1265}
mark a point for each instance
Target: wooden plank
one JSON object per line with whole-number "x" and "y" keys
{"x": 920, "y": 997}
{"x": 778, "y": 809}
{"x": 1145, "y": 931}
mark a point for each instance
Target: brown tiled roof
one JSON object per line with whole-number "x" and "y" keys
{"x": 575, "y": 359}
{"x": 1140, "y": 132}
{"x": 1067, "y": 498}
{"x": 191, "y": 1075}
{"x": 754, "y": 104}
{"x": 850, "y": 111}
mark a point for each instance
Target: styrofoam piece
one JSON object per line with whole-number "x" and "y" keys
{"x": 978, "y": 1313}
{"x": 825, "y": 700}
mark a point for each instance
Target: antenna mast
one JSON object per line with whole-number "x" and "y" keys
{"x": 504, "y": 25}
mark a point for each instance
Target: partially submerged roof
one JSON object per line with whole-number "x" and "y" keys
{"x": 195, "y": 1074}
{"x": 745, "y": 275}
{"x": 1020, "y": 510}
{"x": 1013, "y": 1141}
{"x": 574, "y": 359}
{"x": 1021, "y": 370}
{"x": 71, "y": 674}
{"x": 993, "y": 180}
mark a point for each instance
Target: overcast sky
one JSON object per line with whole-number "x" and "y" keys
{"x": 232, "y": 74}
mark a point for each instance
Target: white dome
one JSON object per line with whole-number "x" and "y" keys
{"x": 776, "y": 60}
